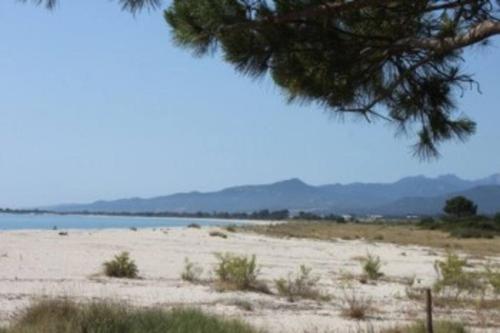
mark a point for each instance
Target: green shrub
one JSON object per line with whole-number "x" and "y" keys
{"x": 303, "y": 285}
{"x": 191, "y": 272}
{"x": 452, "y": 276}
{"x": 231, "y": 228}
{"x": 439, "y": 327}
{"x": 63, "y": 316}
{"x": 121, "y": 267}
{"x": 475, "y": 232}
{"x": 218, "y": 234}
{"x": 237, "y": 273}
{"x": 371, "y": 267}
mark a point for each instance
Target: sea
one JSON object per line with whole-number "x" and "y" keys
{"x": 63, "y": 222}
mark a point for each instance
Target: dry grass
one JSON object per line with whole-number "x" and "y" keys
{"x": 355, "y": 306}
{"x": 216, "y": 233}
{"x": 439, "y": 327}
{"x": 402, "y": 234}
{"x": 450, "y": 302}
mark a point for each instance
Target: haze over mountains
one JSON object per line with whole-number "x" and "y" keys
{"x": 417, "y": 195}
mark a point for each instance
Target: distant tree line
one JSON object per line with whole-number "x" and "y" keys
{"x": 263, "y": 214}
{"x": 461, "y": 220}
{"x": 23, "y": 211}
{"x": 308, "y": 216}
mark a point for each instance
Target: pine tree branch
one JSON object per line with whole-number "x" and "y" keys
{"x": 475, "y": 34}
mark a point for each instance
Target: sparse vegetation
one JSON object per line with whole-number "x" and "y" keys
{"x": 64, "y": 316}
{"x": 371, "y": 267}
{"x": 355, "y": 306}
{"x": 302, "y": 285}
{"x": 216, "y": 233}
{"x": 452, "y": 302}
{"x": 454, "y": 278}
{"x": 192, "y": 272}
{"x": 238, "y": 273}
{"x": 394, "y": 232}
{"x": 194, "y": 226}
{"x": 461, "y": 221}
{"x": 439, "y": 327}
{"x": 493, "y": 279}
{"x": 121, "y": 267}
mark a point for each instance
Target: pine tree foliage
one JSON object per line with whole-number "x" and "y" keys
{"x": 395, "y": 60}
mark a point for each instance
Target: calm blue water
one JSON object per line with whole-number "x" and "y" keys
{"x": 47, "y": 221}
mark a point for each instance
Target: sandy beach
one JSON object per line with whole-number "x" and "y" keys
{"x": 35, "y": 264}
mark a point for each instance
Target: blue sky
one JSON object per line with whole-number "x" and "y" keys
{"x": 98, "y": 104}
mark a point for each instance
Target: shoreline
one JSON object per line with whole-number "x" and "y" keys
{"x": 181, "y": 221}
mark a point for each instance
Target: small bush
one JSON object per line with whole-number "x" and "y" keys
{"x": 426, "y": 222}
{"x": 231, "y": 228}
{"x": 356, "y": 306}
{"x": 191, "y": 272}
{"x": 63, "y": 316}
{"x": 218, "y": 234}
{"x": 452, "y": 276}
{"x": 303, "y": 285}
{"x": 237, "y": 273}
{"x": 121, "y": 267}
{"x": 439, "y": 327}
{"x": 496, "y": 218}
{"x": 371, "y": 267}
{"x": 465, "y": 232}
{"x": 194, "y": 226}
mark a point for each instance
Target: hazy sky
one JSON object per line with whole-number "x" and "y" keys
{"x": 97, "y": 104}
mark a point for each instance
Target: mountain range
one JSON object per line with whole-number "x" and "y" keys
{"x": 418, "y": 195}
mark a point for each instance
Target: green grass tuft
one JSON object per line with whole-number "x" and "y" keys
{"x": 302, "y": 285}
{"x": 235, "y": 272}
{"x": 64, "y": 316}
{"x": 192, "y": 272}
{"x": 371, "y": 267}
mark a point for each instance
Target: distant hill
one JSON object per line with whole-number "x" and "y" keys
{"x": 412, "y": 195}
{"x": 487, "y": 198}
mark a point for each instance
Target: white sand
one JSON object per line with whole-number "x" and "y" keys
{"x": 42, "y": 263}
